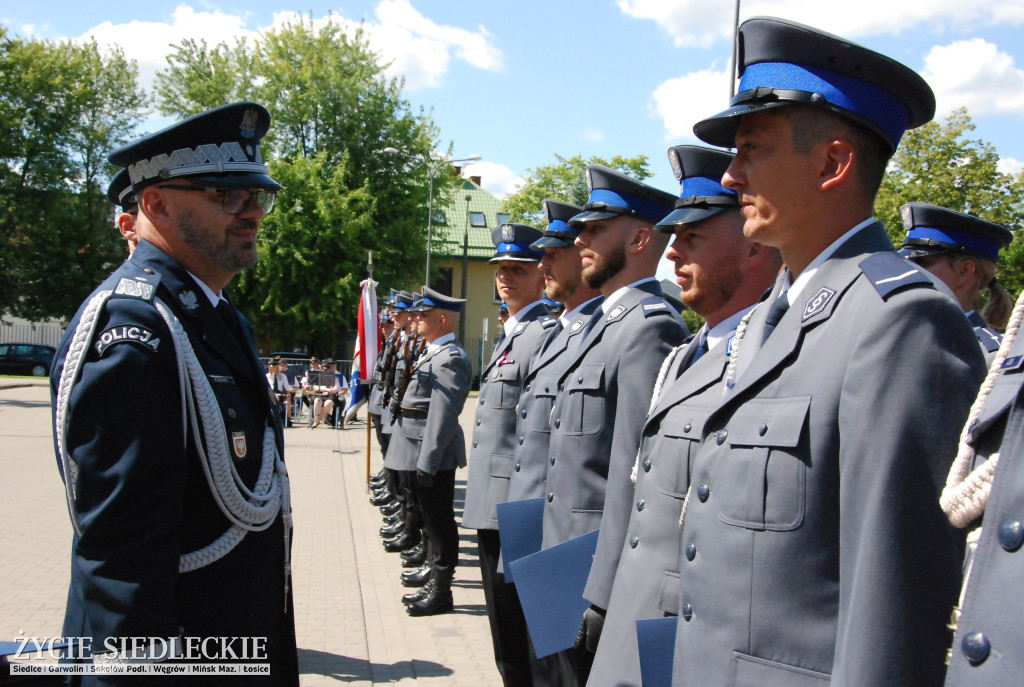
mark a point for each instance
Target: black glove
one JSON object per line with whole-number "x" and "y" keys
{"x": 590, "y": 629}
{"x": 424, "y": 479}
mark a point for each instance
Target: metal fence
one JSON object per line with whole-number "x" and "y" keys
{"x": 17, "y": 330}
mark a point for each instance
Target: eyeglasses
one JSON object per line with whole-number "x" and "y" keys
{"x": 234, "y": 200}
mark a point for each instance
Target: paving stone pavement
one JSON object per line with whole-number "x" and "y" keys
{"x": 351, "y": 624}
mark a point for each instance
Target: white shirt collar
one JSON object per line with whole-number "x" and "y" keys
{"x": 215, "y": 297}
{"x": 440, "y": 341}
{"x": 612, "y": 299}
{"x": 792, "y": 290}
{"x": 568, "y": 316}
{"x": 513, "y": 320}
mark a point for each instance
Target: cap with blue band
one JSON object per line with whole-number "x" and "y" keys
{"x": 558, "y": 233}
{"x": 512, "y": 242}
{"x": 934, "y": 230}
{"x": 435, "y": 299}
{"x": 613, "y": 194}
{"x": 699, "y": 171}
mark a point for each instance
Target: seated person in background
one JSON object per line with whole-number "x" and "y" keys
{"x": 326, "y": 397}
{"x": 281, "y": 387}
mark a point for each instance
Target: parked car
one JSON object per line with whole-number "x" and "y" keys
{"x": 26, "y": 359}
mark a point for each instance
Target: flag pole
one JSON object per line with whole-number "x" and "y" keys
{"x": 369, "y": 429}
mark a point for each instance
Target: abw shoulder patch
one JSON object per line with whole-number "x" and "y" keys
{"x": 135, "y": 288}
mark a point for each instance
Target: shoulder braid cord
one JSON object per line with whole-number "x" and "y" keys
{"x": 248, "y": 511}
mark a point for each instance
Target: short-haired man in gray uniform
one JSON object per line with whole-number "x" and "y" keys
{"x": 520, "y": 285}
{"x": 818, "y": 553}
{"x": 599, "y": 413}
{"x": 722, "y": 275}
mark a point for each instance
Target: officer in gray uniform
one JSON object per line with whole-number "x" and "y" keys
{"x": 984, "y": 494}
{"x": 962, "y": 251}
{"x": 818, "y": 554}
{"x": 520, "y": 285}
{"x": 158, "y": 551}
{"x": 428, "y": 430}
{"x": 563, "y": 281}
{"x": 599, "y": 412}
{"x": 722, "y": 275}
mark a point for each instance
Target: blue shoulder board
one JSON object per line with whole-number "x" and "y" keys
{"x": 548, "y": 323}
{"x": 889, "y": 272}
{"x": 990, "y": 339}
{"x": 454, "y": 351}
{"x": 652, "y": 305}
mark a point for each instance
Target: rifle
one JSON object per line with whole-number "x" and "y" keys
{"x": 413, "y": 349}
{"x": 389, "y": 371}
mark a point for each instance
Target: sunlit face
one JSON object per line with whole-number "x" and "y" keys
{"x": 428, "y": 323}
{"x": 562, "y": 269}
{"x": 518, "y": 283}
{"x": 709, "y": 257}
{"x": 602, "y": 251}
{"x": 774, "y": 181}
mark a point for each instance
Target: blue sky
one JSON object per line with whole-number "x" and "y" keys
{"x": 517, "y": 82}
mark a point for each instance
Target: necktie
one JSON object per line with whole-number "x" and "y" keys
{"x": 227, "y": 314}
{"x": 555, "y": 331}
{"x": 277, "y": 387}
{"x": 702, "y": 348}
{"x": 775, "y": 313}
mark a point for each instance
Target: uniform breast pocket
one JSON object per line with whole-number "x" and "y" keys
{"x": 544, "y": 388}
{"x": 680, "y": 434}
{"x": 505, "y": 379}
{"x": 420, "y": 385}
{"x": 761, "y": 481}
{"x": 583, "y": 412}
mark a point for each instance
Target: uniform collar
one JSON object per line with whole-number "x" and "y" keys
{"x": 792, "y": 289}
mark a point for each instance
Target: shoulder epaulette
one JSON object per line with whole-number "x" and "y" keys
{"x": 990, "y": 339}
{"x": 454, "y": 350}
{"x": 888, "y": 272}
{"x": 138, "y": 283}
{"x": 548, "y": 323}
{"x": 654, "y": 305}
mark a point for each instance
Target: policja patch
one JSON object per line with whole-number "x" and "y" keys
{"x": 126, "y": 333}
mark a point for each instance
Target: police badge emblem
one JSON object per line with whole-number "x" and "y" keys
{"x": 238, "y": 444}
{"x": 508, "y": 233}
{"x": 908, "y": 217}
{"x": 188, "y": 300}
{"x": 817, "y": 302}
{"x": 619, "y": 309}
{"x": 248, "y": 125}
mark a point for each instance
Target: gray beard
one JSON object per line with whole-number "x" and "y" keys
{"x": 222, "y": 254}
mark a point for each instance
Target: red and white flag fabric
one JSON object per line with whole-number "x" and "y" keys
{"x": 366, "y": 343}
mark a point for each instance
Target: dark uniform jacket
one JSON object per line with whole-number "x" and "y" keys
{"x": 598, "y": 418}
{"x": 375, "y": 404}
{"x": 647, "y": 579}
{"x": 988, "y": 338}
{"x": 142, "y": 497}
{"x": 540, "y": 386}
{"x": 494, "y": 431}
{"x": 820, "y": 552}
{"x": 988, "y": 649}
{"x": 429, "y": 436}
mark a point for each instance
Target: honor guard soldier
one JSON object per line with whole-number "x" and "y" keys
{"x": 520, "y": 285}
{"x": 159, "y": 549}
{"x": 722, "y": 276}
{"x": 122, "y": 195}
{"x": 814, "y": 552}
{"x": 962, "y": 251}
{"x": 374, "y": 405}
{"x": 605, "y": 390}
{"x": 428, "y": 431}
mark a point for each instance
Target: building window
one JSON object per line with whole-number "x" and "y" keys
{"x": 477, "y": 219}
{"x": 502, "y": 218}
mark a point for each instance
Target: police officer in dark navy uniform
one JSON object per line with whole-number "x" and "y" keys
{"x": 962, "y": 251}
{"x": 181, "y": 514}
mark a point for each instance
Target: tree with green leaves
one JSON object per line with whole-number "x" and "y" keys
{"x": 937, "y": 163}
{"x": 63, "y": 107}
{"x": 334, "y": 112}
{"x": 566, "y": 180}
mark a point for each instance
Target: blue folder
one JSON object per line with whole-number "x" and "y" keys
{"x": 550, "y": 584}
{"x": 521, "y": 528}
{"x": 656, "y": 639}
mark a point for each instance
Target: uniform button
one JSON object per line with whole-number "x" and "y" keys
{"x": 634, "y": 541}
{"x": 520, "y": 441}
{"x": 522, "y": 413}
{"x": 232, "y": 414}
{"x": 478, "y": 423}
{"x": 527, "y": 387}
{"x": 560, "y": 386}
{"x": 517, "y": 467}
{"x": 547, "y": 390}
{"x": 1011, "y": 535}
{"x": 148, "y": 270}
{"x": 640, "y": 505}
{"x": 551, "y": 496}
{"x": 762, "y": 430}
{"x": 647, "y": 464}
{"x": 481, "y": 401}
{"x": 691, "y": 551}
{"x": 474, "y": 443}
{"x": 552, "y": 460}
{"x": 579, "y": 380}
{"x": 976, "y": 647}
{"x": 558, "y": 422}
{"x": 703, "y": 492}
{"x": 687, "y": 427}
{"x": 721, "y": 436}
{"x": 687, "y": 610}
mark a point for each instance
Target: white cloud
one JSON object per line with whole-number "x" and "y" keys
{"x": 683, "y": 101}
{"x": 592, "y": 134}
{"x": 975, "y": 74}
{"x": 417, "y": 48}
{"x": 1009, "y": 165}
{"x": 496, "y": 178}
{"x": 849, "y": 19}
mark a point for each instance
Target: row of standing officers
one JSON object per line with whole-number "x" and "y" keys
{"x": 772, "y": 481}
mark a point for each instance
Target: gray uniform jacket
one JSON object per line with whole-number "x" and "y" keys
{"x": 820, "y": 552}
{"x": 647, "y": 579}
{"x": 530, "y": 467}
{"x": 494, "y": 431}
{"x": 427, "y": 432}
{"x": 988, "y": 649}
{"x": 598, "y": 417}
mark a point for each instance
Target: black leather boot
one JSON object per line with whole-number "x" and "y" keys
{"x": 392, "y": 519}
{"x": 381, "y": 498}
{"x": 417, "y": 577}
{"x": 404, "y": 541}
{"x": 390, "y": 508}
{"x": 389, "y": 531}
{"x": 419, "y": 594}
{"x": 414, "y": 560}
{"x": 439, "y": 599}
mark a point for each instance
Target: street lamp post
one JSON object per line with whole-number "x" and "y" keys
{"x": 465, "y": 270}
{"x": 432, "y": 174}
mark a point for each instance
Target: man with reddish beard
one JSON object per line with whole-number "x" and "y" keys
{"x": 721, "y": 275}
{"x": 606, "y": 387}
{"x": 520, "y": 285}
{"x": 163, "y": 558}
